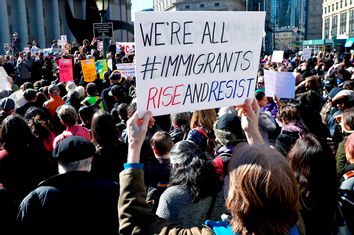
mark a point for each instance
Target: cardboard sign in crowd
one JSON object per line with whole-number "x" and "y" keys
{"x": 188, "y": 61}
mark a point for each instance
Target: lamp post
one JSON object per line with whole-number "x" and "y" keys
{"x": 102, "y": 6}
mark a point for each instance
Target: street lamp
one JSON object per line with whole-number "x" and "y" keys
{"x": 102, "y": 6}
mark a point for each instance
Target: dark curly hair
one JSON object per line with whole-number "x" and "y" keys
{"x": 192, "y": 169}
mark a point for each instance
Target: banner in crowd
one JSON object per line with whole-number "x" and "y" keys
{"x": 128, "y": 46}
{"x": 306, "y": 53}
{"x": 278, "y": 56}
{"x": 66, "y": 70}
{"x": 196, "y": 60}
{"x": 281, "y": 84}
{"x": 4, "y": 84}
{"x": 127, "y": 69}
{"x": 46, "y": 51}
{"x": 89, "y": 70}
{"x": 101, "y": 68}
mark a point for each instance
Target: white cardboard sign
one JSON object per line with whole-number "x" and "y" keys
{"x": 127, "y": 69}
{"x": 306, "y": 53}
{"x": 281, "y": 84}
{"x": 190, "y": 61}
{"x": 278, "y": 56}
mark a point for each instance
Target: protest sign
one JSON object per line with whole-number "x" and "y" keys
{"x": 46, "y": 51}
{"x": 62, "y": 43}
{"x": 89, "y": 70}
{"x": 7, "y": 46}
{"x": 306, "y": 53}
{"x": 196, "y": 60}
{"x": 110, "y": 63}
{"x": 66, "y": 70}
{"x": 101, "y": 67}
{"x": 34, "y": 50}
{"x": 281, "y": 84}
{"x": 277, "y": 56}
{"x": 128, "y": 46}
{"x": 64, "y": 38}
{"x": 4, "y": 84}
{"x": 127, "y": 69}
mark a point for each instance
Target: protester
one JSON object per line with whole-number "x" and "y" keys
{"x": 69, "y": 117}
{"x": 23, "y": 160}
{"x": 279, "y": 207}
{"x": 309, "y": 158}
{"x": 73, "y": 199}
{"x": 201, "y": 131}
{"x": 157, "y": 174}
{"x": 110, "y": 153}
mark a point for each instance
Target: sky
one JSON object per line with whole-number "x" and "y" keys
{"x": 138, "y": 5}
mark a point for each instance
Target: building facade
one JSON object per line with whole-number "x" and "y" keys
{"x": 264, "y": 5}
{"x": 199, "y": 5}
{"x": 313, "y": 28}
{"x": 45, "y": 20}
{"x": 338, "y": 19}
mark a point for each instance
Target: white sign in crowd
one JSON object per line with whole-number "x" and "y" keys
{"x": 188, "y": 62}
{"x": 281, "y": 84}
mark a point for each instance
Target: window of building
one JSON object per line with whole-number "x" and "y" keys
{"x": 341, "y": 3}
{"x": 329, "y": 9}
{"x": 201, "y": 5}
{"x": 187, "y": 6}
{"x": 326, "y": 28}
{"x": 217, "y": 4}
{"x": 336, "y": 5}
{"x": 351, "y": 23}
{"x": 334, "y": 25}
{"x": 345, "y": 3}
{"x": 332, "y": 7}
{"x": 343, "y": 23}
{"x": 325, "y": 10}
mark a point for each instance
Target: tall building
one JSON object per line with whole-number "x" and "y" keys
{"x": 199, "y": 5}
{"x": 45, "y": 20}
{"x": 338, "y": 19}
{"x": 264, "y": 5}
{"x": 295, "y": 21}
{"x": 313, "y": 27}
{"x": 289, "y": 13}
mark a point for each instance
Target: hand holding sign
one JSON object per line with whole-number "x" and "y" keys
{"x": 281, "y": 84}
{"x": 249, "y": 113}
{"x": 186, "y": 64}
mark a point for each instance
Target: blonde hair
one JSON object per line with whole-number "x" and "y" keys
{"x": 203, "y": 118}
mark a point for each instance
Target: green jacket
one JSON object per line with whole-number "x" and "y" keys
{"x": 135, "y": 215}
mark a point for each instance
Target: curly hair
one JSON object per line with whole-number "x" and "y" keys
{"x": 192, "y": 169}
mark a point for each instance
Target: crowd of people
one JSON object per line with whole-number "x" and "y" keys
{"x": 76, "y": 159}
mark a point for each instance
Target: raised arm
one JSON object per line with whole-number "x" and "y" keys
{"x": 249, "y": 113}
{"x": 135, "y": 215}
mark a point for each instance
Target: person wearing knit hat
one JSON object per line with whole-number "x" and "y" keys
{"x": 228, "y": 133}
{"x": 72, "y": 199}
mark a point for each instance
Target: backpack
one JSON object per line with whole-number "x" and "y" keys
{"x": 96, "y": 105}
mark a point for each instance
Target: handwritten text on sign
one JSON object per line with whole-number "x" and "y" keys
{"x": 89, "y": 70}
{"x": 66, "y": 70}
{"x": 196, "y": 60}
{"x": 127, "y": 70}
